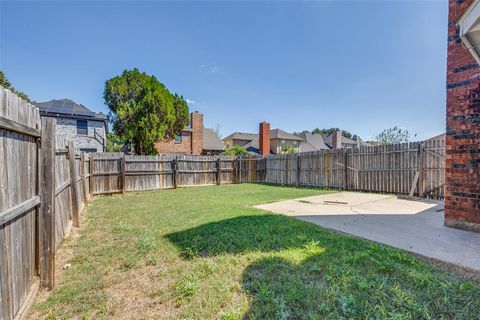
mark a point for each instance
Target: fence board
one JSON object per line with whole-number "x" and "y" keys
{"x": 18, "y": 181}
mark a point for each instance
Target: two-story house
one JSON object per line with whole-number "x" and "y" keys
{"x": 77, "y": 123}
{"x": 193, "y": 140}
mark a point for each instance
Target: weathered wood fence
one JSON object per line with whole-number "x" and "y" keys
{"x": 43, "y": 191}
{"x": 45, "y": 184}
{"x": 415, "y": 169}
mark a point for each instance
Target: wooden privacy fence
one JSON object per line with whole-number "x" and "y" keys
{"x": 415, "y": 168}
{"x": 117, "y": 173}
{"x": 43, "y": 191}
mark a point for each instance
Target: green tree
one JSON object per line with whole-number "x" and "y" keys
{"x": 114, "y": 143}
{"x": 236, "y": 150}
{"x": 394, "y": 135}
{"x": 7, "y": 85}
{"x": 345, "y": 133}
{"x": 143, "y": 111}
{"x": 286, "y": 148}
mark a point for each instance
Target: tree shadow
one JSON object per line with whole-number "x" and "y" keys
{"x": 376, "y": 284}
{"x": 330, "y": 276}
{"x": 265, "y": 233}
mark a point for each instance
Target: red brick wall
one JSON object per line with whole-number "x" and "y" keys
{"x": 462, "y": 188}
{"x": 336, "y": 140}
{"x": 264, "y": 138}
{"x": 175, "y": 147}
{"x": 197, "y": 134}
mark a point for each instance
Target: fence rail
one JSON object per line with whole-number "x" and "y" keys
{"x": 46, "y": 183}
{"x": 415, "y": 168}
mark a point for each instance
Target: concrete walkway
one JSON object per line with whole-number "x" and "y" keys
{"x": 415, "y": 226}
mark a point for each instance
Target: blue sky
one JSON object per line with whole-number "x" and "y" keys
{"x": 360, "y": 66}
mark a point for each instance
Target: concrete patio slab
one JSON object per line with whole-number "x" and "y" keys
{"x": 415, "y": 226}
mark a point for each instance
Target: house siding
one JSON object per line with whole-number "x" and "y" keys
{"x": 67, "y": 127}
{"x": 462, "y": 187}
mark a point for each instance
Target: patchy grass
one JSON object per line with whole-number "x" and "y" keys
{"x": 205, "y": 253}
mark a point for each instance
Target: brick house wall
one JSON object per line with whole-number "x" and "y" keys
{"x": 192, "y": 139}
{"x": 173, "y": 146}
{"x": 462, "y": 187}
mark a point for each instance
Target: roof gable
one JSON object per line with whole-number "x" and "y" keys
{"x": 210, "y": 140}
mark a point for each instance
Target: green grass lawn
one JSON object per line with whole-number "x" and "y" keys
{"x": 205, "y": 253}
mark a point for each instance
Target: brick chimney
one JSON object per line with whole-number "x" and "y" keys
{"x": 264, "y": 138}
{"x": 337, "y": 140}
{"x": 196, "y": 121}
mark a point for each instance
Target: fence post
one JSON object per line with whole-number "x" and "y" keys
{"x": 218, "y": 171}
{"x": 90, "y": 178}
{"x": 73, "y": 184}
{"x": 236, "y": 170}
{"x": 124, "y": 169}
{"x": 345, "y": 169}
{"x": 421, "y": 165}
{"x": 84, "y": 180}
{"x": 298, "y": 169}
{"x": 46, "y": 219}
{"x": 287, "y": 169}
{"x": 174, "y": 172}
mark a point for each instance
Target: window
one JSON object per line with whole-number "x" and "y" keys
{"x": 82, "y": 127}
{"x": 178, "y": 138}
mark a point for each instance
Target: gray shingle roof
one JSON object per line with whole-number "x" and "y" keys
{"x": 274, "y": 134}
{"x": 327, "y": 138}
{"x": 315, "y": 140}
{"x": 67, "y": 107}
{"x": 283, "y": 135}
{"x": 211, "y": 140}
{"x": 241, "y": 136}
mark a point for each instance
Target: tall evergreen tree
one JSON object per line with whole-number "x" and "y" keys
{"x": 143, "y": 111}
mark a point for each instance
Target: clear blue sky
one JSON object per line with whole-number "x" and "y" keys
{"x": 361, "y": 66}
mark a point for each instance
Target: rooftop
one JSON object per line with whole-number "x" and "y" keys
{"x": 67, "y": 107}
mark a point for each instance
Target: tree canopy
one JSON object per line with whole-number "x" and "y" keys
{"x": 287, "y": 148}
{"x": 236, "y": 150}
{"x": 345, "y": 133}
{"x": 143, "y": 110}
{"x": 7, "y": 85}
{"x": 394, "y": 135}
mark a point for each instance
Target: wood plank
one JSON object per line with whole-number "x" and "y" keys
{"x": 73, "y": 185}
{"x": 14, "y": 126}
{"x": 46, "y": 219}
{"x": 19, "y": 210}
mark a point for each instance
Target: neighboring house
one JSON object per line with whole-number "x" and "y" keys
{"x": 239, "y": 139}
{"x": 273, "y": 140}
{"x": 193, "y": 140}
{"x": 328, "y": 139}
{"x": 312, "y": 142}
{"x": 77, "y": 123}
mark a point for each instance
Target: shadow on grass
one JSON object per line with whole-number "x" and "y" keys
{"x": 330, "y": 275}
{"x": 244, "y": 234}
